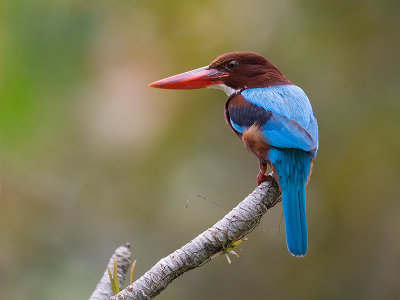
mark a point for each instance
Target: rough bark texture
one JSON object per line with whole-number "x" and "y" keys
{"x": 235, "y": 225}
{"x": 103, "y": 289}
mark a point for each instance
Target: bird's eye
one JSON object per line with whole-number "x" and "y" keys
{"x": 233, "y": 64}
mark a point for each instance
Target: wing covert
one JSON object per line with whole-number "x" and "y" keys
{"x": 284, "y": 113}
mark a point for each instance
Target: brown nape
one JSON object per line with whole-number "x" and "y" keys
{"x": 252, "y": 71}
{"x": 238, "y": 102}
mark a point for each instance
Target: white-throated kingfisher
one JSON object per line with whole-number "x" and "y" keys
{"x": 274, "y": 119}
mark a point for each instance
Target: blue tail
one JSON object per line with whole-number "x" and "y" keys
{"x": 293, "y": 167}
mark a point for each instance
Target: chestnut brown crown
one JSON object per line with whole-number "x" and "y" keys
{"x": 248, "y": 70}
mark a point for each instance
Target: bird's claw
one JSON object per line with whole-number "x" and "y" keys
{"x": 262, "y": 177}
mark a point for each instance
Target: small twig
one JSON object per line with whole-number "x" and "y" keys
{"x": 123, "y": 257}
{"x": 204, "y": 198}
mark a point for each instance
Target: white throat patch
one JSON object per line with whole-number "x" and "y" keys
{"x": 228, "y": 90}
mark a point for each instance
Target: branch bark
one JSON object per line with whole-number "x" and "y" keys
{"x": 103, "y": 289}
{"x": 239, "y": 222}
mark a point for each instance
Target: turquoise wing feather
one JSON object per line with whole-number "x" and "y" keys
{"x": 292, "y": 123}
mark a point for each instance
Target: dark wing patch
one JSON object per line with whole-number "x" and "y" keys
{"x": 246, "y": 116}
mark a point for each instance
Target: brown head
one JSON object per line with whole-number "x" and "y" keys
{"x": 231, "y": 72}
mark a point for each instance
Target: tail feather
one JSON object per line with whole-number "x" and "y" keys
{"x": 294, "y": 211}
{"x": 293, "y": 167}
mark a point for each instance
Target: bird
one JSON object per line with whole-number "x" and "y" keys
{"x": 274, "y": 119}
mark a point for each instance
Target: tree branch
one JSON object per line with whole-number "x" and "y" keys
{"x": 216, "y": 240}
{"x": 103, "y": 289}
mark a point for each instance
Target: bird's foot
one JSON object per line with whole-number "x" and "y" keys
{"x": 262, "y": 177}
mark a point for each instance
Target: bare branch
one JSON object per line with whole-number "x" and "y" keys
{"x": 216, "y": 240}
{"x": 103, "y": 289}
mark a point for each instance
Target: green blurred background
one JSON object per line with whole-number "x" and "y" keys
{"x": 92, "y": 158}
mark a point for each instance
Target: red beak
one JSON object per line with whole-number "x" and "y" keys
{"x": 195, "y": 79}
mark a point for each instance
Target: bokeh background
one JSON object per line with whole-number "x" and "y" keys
{"x": 92, "y": 158}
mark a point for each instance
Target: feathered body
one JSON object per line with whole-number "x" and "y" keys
{"x": 278, "y": 125}
{"x": 275, "y": 121}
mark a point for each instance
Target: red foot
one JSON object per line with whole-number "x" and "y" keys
{"x": 262, "y": 177}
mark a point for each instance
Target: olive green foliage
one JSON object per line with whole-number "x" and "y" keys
{"x": 92, "y": 158}
{"x": 114, "y": 278}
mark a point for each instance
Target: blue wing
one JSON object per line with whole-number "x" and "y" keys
{"x": 291, "y": 122}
